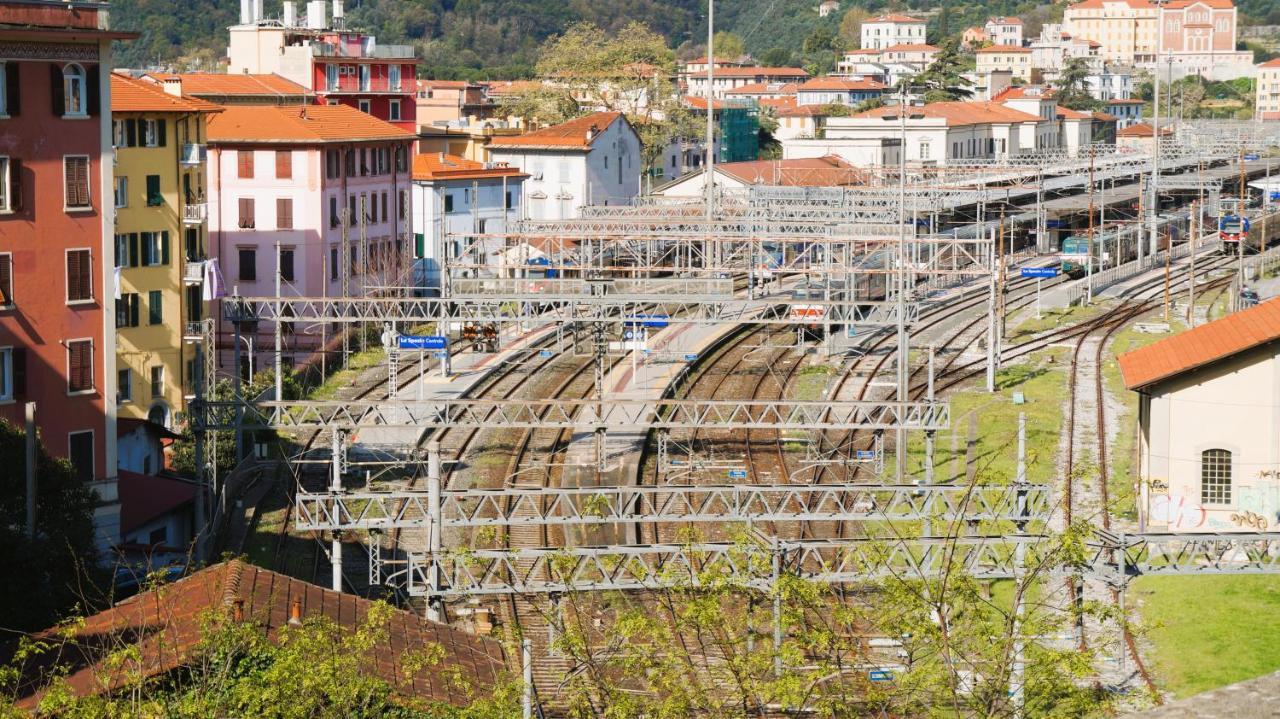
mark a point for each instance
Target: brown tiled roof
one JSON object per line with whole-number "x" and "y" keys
{"x": 696, "y": 102}
{"x": 1025, "y": 92}
{"x": 1201, "y": 346}
{"x": 166, "y": 627}
{"x": 215, "y": 84}
{"x": 1274, "y": 62}
{"x": 1142, "y": 129}
{"x": 992, "y": 49}
{"x": 1067, "y": 113}
{"x": 911, "y": 47}
{"x": 431, "y": 166}
{"x": 299, "y": 124}
{"x": 571, "y": 135}
{"x": 891, "y": 17}
{"x": 1104, "y": 117}
{"x": 837, "y": 83}
{"x": 792, "y": 72}
{"x": 764, "y": 88}
{"x": 1005, "y": 21}
{"x": 962, "y": 113}
{"x": 793, "y": 110}
{"x": 130, "y": 95}
{"x": 830, "y": 171}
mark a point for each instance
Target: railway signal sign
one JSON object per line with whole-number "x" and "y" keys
{"x": 880, "y": 675}
{"x": 866, "y": 454}
{"x": 691, "y": 358}
{"x": 545, "y": 353}
{"x": 423, "y": 342}
{"x": 1251, "y": 157}
{"x": 654, "y": 321}
{"x": 737, "y": 474}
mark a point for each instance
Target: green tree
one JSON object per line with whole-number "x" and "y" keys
{"x": 1073, "y": 86}
{"x": 54, "y": 573}
{"x": 942, "y": 81}
{"x": 729, "y": 46}
{"x": 776, "y": 57}
{"x": 851, "y": 27}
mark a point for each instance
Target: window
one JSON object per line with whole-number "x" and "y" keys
{"x": 351, "y": 163}
{"x": 79, "y": 276}
{"x": 331, "y": 76}
{"x": 155, "y": 249}
{"x": 247, "y": 221}
{"x": 366, "y": 107}
{"x": 80, "y": 445}
{"x": 366, "y": 75}
{"x": 244, "y": 164}
{"x": 284, "y": 164}
{"x": 332, "y": 165}
{"x": 385, "y": 216}
{"x": 511, "y": 199}
{"x": 284, "y": 213}
{"x": 6, "y": 374}
{"x": 402, "y": 159}
{"x": 124, "y": 386}
{"x": 8, "y": 80}
{"x": 404, "y": 203}
{"x": 248, "y": 261}
{"x": 393, "y": 111}
{"x": 153, "y": 133}
{"x": 122, "y": 192}
{"x": 155, "y": 307}
{"x": 286, "y": 265}
{"x": 154, "y": 198}
{"x": 334, "y": 220}
{"x": 157, "y": 381}
{"x": 4, "y": 184}
{"x": 393, "y": 78}
{"x": 6, "y": 280}
{"x": 75, "y": 176}
{"x": 127, "y": 311}
{"x": 1215, "y": 476}
{"x": 448, "y": 202}
{"x": 75, "y": 100}
{"x": 80, "y": 366}
{"x": 333, "y": 264}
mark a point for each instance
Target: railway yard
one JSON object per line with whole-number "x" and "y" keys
{"x": 791, "y": 403}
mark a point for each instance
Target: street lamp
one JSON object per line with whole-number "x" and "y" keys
{"x": 249, "y": 342}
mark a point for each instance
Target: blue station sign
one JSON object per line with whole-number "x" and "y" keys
{"x": 1039, "y": 271}
{"x": 422, "y": 342}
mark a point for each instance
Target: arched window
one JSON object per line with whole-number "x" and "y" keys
{"x": 1215, "y": 476}
{"x": 75, "y": 97}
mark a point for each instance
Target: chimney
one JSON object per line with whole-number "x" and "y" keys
{"x": 592, "y": 132}
{"x": 246, "y": 12}
{"x": 315, "y": 15}
{"x": 172, "y": 86}
{"x": 337, "y": 14}
{"x": 237, "y": 610}
{"x": 290, "y": 13}
{"x": 295, "y": 612}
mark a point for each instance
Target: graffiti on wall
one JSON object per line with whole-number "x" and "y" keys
{"x": 1177, "y": 511}
{"x": 1250, "y": 520}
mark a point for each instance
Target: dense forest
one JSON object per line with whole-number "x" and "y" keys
{"x": 479, "y": 39}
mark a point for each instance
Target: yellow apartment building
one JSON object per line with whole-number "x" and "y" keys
{"x": 160, "y": 240}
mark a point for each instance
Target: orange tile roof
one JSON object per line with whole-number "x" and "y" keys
{"x": 431, "y": 166}
{"x": 1201, "y": 346}
{"x": 1005, "y": 21}
{"x": 893, "y": 18}
{"x": 299, "y": 124}
{"x": 443, "y": 84}
{"x": 958, "y": 113}
{"x": 911, "y": 47}
{"x": 130, "y": 95}
{"x": 571, "y": 135}
{"x": 1142, "y": 129}
{"x": 829, "y": 171}
{"x": 764, "y": 88}
{"x": 1131, "y": 101}
{"x": 513, "y": 87}
{"x": 838, "y": 83}
{"x": 865, "y": 51}
{"x": 1025, "y": 92}
{"x": 1067, "y": 113}
{"x": 1275, "y": 62}
{"x": 1104, "y": 117}
{"x": 226, "y": 85}
{"x": 802, "y": 111}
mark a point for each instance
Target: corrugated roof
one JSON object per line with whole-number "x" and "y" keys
{"x": 572, "y": 135}
{"x": 439, "y": 166}
{"x": 167, "y": 624}
{"x": 223, "y": 85}
{"x": 1201, "y": 346}
{"x": 130, "y": 95}
{"x": 306, "y": 124}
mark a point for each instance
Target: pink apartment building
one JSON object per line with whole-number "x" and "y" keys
{"x": 291, "y": 187}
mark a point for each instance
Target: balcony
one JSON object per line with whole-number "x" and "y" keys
{"x": 193, "y": 154}
{"x": 363, "y": 50}
{"x": 193, "y": 273}
{"x": 193, "y": 332}
{"x": 195, "y": 213}
{"x": 352, "y": 83}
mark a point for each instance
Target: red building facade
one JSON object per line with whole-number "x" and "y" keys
{"x": 57, "y": 339}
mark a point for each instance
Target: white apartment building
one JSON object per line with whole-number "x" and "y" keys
{"x": 728, "y": 79}
{"x": 1050, "y": 51}
{"x": 1199, "y": 36}
{"x": 1004, "y": 31}
{"x": 1267, "y": 105}
{"x": 885, "y": 31}
{"x": 1016, "y": 59}
{"x": 591, "y": 160}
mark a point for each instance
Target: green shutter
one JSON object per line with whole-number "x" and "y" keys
{"x": 164, "y": 248}
{"x": 419, "y": 245}
{"x": 155, "y": 308}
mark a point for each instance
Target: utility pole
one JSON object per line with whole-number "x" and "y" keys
{"x": 279, "y": 340}
{"x": 1244, "y": 236}
{"x": 435, "y": 520}
{"x": 1191, "y": 285}
{"x": 335, "y": 486}
{"x": 29, "y": 410}
{"x": 900, "y": 439}
{"x": 1017, "y": 694}
{"x": 711, "y": 123}
{"x": 1154, "y": 204}
{"x": 1088, "y": 282}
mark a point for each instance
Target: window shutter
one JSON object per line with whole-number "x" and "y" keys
{"x": 130, "y": 133}
{"x": 13, "y": 93}
{"x": 385, "y": 217}
{"x": 133, "y": 310}
{"x": 134, "y": 255}
{"x": 284, "y": 164}
{"x": 15, "y": 184}
{"x": 73, "y": 275}
{"x": 148, "y": 253}
{"x": 161, "y": 140}
{"x": 19, "y": 371}
{"x": 247, "y": 219}
{"x": 245, "y": 158}
{"x": 56, "y": 91}
{"x": 6, "y": 280}
{"x": 164, "y": 247}
{"x": 284, "y": 213}
{"x": 94, "y": 75}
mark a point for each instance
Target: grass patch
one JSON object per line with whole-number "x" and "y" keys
{"x": 1210, "y": 631}
{"x": 347, "y": 376}
{"x": 811, "y": 383}
{"x": 1052, "y": 319}
{"x": 1042, "y": 382}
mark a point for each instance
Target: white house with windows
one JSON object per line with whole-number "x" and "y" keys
{"x": 1004, "y": 30}
{"x": 591, "y": 160}
{"x": 1209, "y": 425}
{"x": 455, "y": 203}
{"x": 892, "y": 29}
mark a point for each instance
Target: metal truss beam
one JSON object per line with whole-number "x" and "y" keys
{"x": 656, "y": 225}
{"x": 670, "y": 503}
{"x": 1221, "y": 553}
{"x": 655, "y": 289}
{"x": 574, "y": 414}
{"x": 542, "y": 310}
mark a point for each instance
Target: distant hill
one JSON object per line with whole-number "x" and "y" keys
{"x": 500, "y": 38}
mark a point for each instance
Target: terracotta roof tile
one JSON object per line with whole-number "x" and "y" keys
{"x": 912, "y": 47}
{"x": 839, "y": 84}
{"x": 893, "y": 18}
{"x": 764, "y": 88}
{"x": 1202, "y": 346}
{"x": 961, "y": 113}
{"x": 430, "y": 166}
{"x": 790, "y": 72}
{"x": 1067, "y": 113}
{"x": 993, "y": 49}
{"x": 130, "y": 95}
{"x": 830, "y": 171}
{"x": 1142, "y": 129}
{"x": 1274, "y": 62}
{"x": 228, "y": 85}
{"x": 567, "y": 135}
{"x": 305, "y": 124}
{"x": 166, "y": 626}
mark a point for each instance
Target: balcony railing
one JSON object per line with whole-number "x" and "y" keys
{"x": 193, "y": 154}
{"x": 351, "y": 83}
{"x": 193, "y": 272}
{"x": 194, "y": 213}
{"x": 380, "y": 52}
